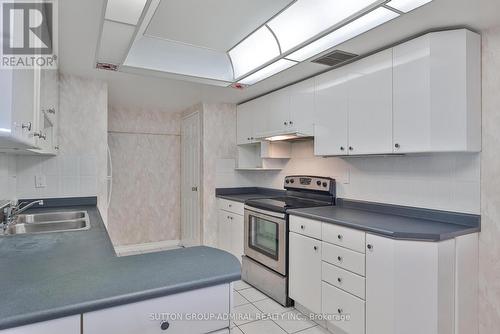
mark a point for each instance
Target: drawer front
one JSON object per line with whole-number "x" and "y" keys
{"x": 231, "y": 206}
{"x": 305, "y": 226}
{"x": 146, "y": 317}
{"x": 68, "y": 325}
{"x": 345, "y": 237}
{"x": 344, "y": 258}
{"x": 338, "y": 302}
{"x": 343, "y": 279}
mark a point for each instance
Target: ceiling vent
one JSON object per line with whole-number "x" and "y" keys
{"x": 106, "y": 66}
{"x": 335, "y": 58}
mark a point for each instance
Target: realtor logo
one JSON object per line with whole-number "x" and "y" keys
{"x": 29, "y": 34}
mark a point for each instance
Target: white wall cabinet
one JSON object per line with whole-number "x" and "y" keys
{"x": 29, "y": 105}
{"x": 67, "y": 325}
{"x": 421, "y": 96}
{"x": 246, "y": 118}
{"x": 353, "y": 108}
{"x": 389, "y": 286}
{"x": 305, "y": 271}
{"x": 437, "y": 93}
{"x": 230, "y": 227}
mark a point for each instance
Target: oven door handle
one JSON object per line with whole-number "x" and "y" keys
{"x": 264, "y": 213}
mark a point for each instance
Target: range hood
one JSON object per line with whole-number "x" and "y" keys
{"x": 283, "y": 136}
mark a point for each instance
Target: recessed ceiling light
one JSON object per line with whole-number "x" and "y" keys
{"x": 407, "y": 5}
{"x": 351, "y": 30}
{"x": 125, "y": 11}
{"x": 307, "y": 18}
{"x": 267, "y": 71}
{"x": 254, "y": 51}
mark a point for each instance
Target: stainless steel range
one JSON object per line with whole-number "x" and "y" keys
{"x": 265, "y": 263}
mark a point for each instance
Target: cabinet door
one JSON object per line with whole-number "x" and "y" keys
{"x": 224, "y": 231}
{"x": 370, "y": 104}
{"x": 302, "y": 107}
{"x": 245, "y": 119}
{"x": 67, "y": 325}
{"x": 331, "y": 113}
{"x": 305, "y": 271}
{"x": 237, "y": 235}
{"x": 412, "y": 100}
{"x": 277, "y": 113}
{"x": 409, "y": 286}
{"x": 25, "y": 85}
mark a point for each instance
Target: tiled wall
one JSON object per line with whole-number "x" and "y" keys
{"x": 7, "y": 177}
{"x": 80, "y": 167}
{"x": 145, "y": 201}
{"x": 489, "y": 241}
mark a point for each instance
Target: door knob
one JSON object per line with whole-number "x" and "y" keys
{"x": 164, "y": 325}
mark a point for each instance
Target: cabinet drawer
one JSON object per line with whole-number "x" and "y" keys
{"x": 343, "y": 236}
{"x": 343, "y": 279}
{"x": 305, "y": 226}
{"x": 145, "y": 317}
{"x": 231, "y": 206}
{"x": 344, "y": 258}
{"x": 338, "y": 302}
{"x": 67, "y": 325}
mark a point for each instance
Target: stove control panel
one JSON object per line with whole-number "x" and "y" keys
{"x": 317, "y": 183}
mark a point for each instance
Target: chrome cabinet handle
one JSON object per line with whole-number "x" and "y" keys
{"x": 339, "y": 280}
{"x": 285, "y": 123}
{"x": 397, "y": 145}
{"x": 164, "y": 325}
{"x": 339, "y": 258}
{"x": 369, "y": 246}
{"x": 342, "y": 148}
{"x": 291, "y": 122}
{"x": 26, "y": 126}
{"x": 340, "y": 311}
{"x": 351, "y": 148}
{"x": 340, "y": 237}
{"x": 315, "y": 248}
{"x": 40, "y": 135}
{"x": 302, "y": 227}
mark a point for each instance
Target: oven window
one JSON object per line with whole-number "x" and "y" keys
{"x": 264, "y": 236}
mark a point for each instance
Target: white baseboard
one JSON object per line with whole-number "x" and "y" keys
{"x": 146, "y": 247}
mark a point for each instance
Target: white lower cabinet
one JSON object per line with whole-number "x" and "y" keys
{"x": 230, "y": 227}
{"x": 149, "y": 316}
{"x": 305, "y": 271}
{"x": 388, "y": 287}
{"x": 68, "y": 325}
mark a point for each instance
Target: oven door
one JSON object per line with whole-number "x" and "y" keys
{"x": 265, "y": 238}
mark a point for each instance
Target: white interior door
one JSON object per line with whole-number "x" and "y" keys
{"x": 190, "y": 184}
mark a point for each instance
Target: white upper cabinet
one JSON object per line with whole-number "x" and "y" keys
{"x": 370, "y": 104}
{"x": 276, "y": 114}
{"x": 302, "y": 107}
{"x": 331, "y": 113}
{"x": 437, "y": 93}
{"x": 245, "y": 120}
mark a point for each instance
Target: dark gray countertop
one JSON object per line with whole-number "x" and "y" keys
{"x": 246, "y": 193}
{"x": 407, "y": 224}
{"x": 49, "y": 276}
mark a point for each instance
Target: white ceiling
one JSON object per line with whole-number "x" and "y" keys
{"x": 216, "y": 25}
{"x": 79, "y": 31}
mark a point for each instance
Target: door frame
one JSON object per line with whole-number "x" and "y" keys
{"x": 197, "y": 114}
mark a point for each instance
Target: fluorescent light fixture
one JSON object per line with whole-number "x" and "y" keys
{"x": 307, "y": 18}
{"x": 254, "y": 51}
{"x": 407, "y": 5}
{"x": 5, "y": 130}
{"x": 125, "y": 11}
{"x": 267, "y": 71}
{"x": 351, "y": 30}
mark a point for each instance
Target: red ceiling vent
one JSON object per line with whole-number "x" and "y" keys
{"x": 106, "y": 67}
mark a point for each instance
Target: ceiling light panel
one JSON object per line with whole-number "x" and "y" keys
{"x": 407, "y": 5}
{"x": 351, "y": 30}
{"x": 257, "y": 49}
{"x": 125, "y": 11}
{"x": 307, "y": 18}
{"x": 268, "y": 71}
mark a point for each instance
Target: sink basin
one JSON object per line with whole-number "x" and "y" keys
{"x": 50, "y": 223}
{"x": 50, "y": 217}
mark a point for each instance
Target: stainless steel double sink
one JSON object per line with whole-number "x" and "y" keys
{"x": 49, "y": 223}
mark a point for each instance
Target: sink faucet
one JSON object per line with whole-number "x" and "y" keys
{"x": 12, "y": 210}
